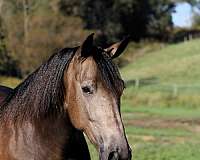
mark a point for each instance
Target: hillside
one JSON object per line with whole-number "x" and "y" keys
{"x": 178, "y": 63}
{"x": 167, "y": 77}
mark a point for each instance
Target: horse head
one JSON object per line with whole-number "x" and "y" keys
{"x": 92, "y": 100}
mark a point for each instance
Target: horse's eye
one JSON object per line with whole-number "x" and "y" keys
{"x": 87, "y": 89}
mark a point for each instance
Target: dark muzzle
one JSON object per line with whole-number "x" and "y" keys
{"x": 113, "y": 156}
{"x": 117, "y": 155}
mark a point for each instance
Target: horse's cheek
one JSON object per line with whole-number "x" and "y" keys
{"x": 75, "y": 118}
{"x": 76, "y": 115}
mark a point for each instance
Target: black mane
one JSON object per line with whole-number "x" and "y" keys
{"x": 42, "y": 92}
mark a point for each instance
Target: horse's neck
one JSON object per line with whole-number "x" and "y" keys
{"x": 36, "y": 140}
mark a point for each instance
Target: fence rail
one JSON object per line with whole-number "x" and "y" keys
{"x": 154, "y": 85}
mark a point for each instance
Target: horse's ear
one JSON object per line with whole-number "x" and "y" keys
{"x": 87, "y": 46}
{"x": 117, "y": 48}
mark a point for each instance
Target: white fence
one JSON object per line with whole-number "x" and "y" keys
{"x": 154, "y": 85}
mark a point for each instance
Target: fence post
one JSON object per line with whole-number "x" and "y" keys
{"x": 185, "y": 39}
{"x": 137, "y": 83}
{"x": 175, "y": 90}
{"x": 190, "y": 37}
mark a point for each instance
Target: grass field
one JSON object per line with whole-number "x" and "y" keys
{"x": 159, "y": 124}
{"x": 162, "y": 123}
{"x": 9, "y": 81}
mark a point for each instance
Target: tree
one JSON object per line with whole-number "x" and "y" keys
{"x": 28, "y": 8}
{"x": 113, "y": 19}
{"x": 69, "y": 7}
{"x": 35, "y": 29}
{"x": 160, "y": 19}
{"x": 196, "y": 20}
{"x": 8, "y": 66}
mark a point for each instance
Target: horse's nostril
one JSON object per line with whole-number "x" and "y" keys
{"x": 113, "y": 156}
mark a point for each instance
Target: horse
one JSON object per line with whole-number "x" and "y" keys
{"x": 76, "y": 91}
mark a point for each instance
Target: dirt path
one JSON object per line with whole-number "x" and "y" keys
{"x": 188, "y": 124}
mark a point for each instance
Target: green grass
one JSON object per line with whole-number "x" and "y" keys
{"x": 166, "y": 132}
{"x": 173, "y": 64}
{"x": 9, "y": 81}
{"x": 175, "y": 74}
{"x": 162, "y": 112}
{"x": 152, "y": 151}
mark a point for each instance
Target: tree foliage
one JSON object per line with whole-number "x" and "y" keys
{"x": 115, "y": 18}
{"x": 8, "y": 66}
{"x": 35, "y": 29}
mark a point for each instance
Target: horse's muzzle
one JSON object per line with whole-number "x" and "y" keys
{"x": 120, "y": 156}
{"x": 116, "y": 154}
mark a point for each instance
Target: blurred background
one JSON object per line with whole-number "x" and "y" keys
{"x": 161, "y": 67}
